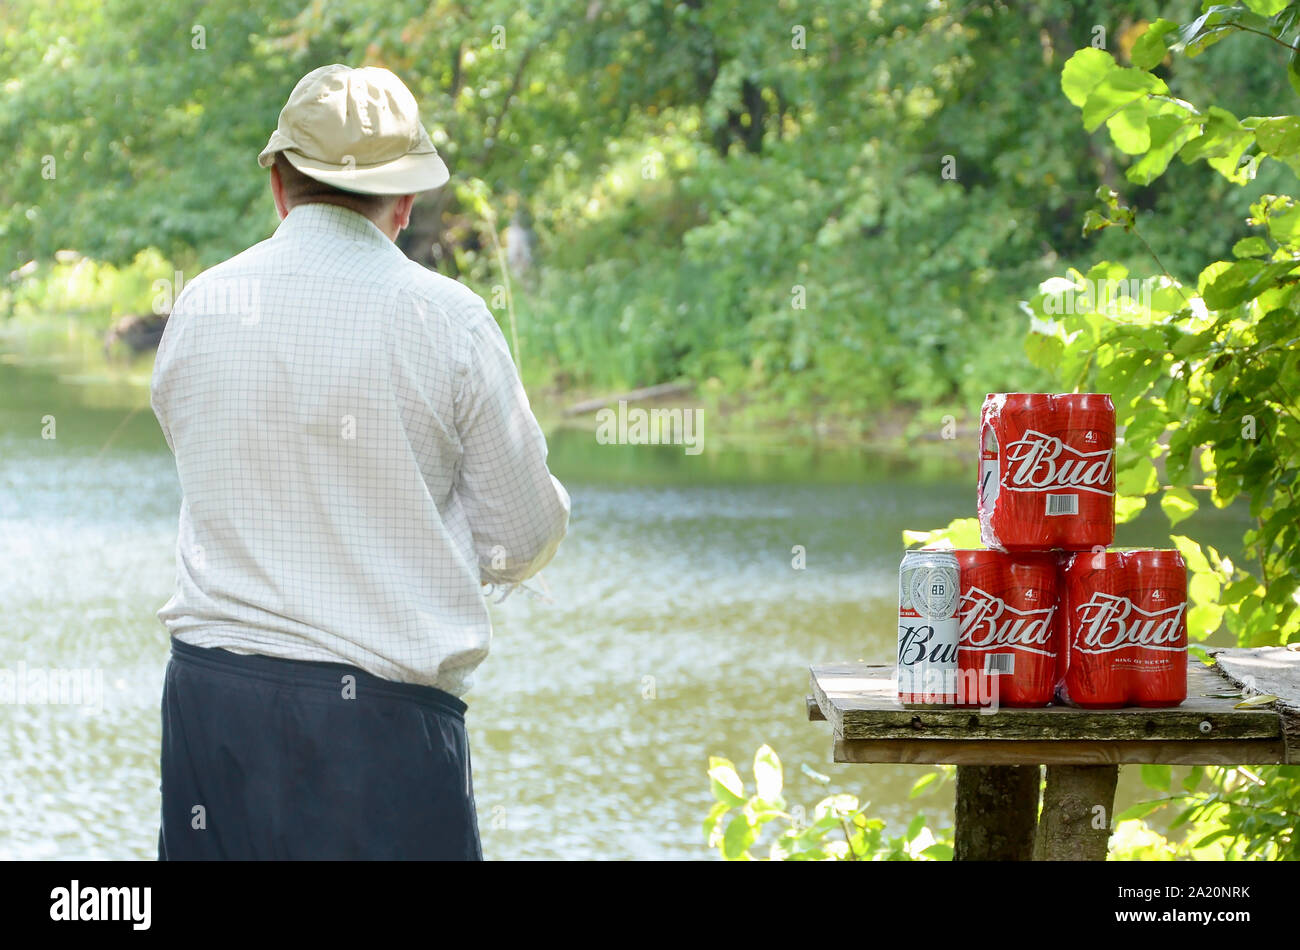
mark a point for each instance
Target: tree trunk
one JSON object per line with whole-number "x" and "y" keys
{"x": 1077, "y": 806}
{"x": 751, "y": 94}
{"x": 997, "y": 807}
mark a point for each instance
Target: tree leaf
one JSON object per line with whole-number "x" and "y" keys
{"x": 1252, "y": 247}
{"x": 767, "y": 774}
{"x": 1216, "y": 24}
{"x": 1212, "y": 837}
{"x": 914, "y": 827}
{"x": 725, "y": 782}
{"x": 711, "y": 822}
{"x": 1127, "y": 508}
{"x": 1247, "y": 279}
{"x": 1263, "y": 699}
{"x": 1094, "y": 220}
{"x": 924, "y": 782}
{"x": 1137, "y": 479}
{"x": 1083, "y": 71}
{"x": 1267, "y": 7}
{"x": 1192, "y": 554}
{"x": 1168, "y": 134}
{"x": 1116, "y": 90}
{"x": 1178, "y": 504}
{"x": 1149, "y": 50}
{"x": 835, "y": 807}
{"x": 1221, "y": 144}
{"x": 1129, "y": 131}
{"x": 1140, "y": 810}
{"x": 737, "y": 838}
{"x": 1284, "y": 225}
{"x": 1157, "y": 776}
{"x": 1203, "y": 620}
{"x": 939, "y": 852}
{"x": 1203, "y": 587}
{"x": 1279, "y": 136}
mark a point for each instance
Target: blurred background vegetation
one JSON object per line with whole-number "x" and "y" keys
{"x": 813, "y": 210}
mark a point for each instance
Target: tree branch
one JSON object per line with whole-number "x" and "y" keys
{"x": 495, "y": 122}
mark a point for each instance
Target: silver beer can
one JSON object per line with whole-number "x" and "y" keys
{"x": 928, "y": 591}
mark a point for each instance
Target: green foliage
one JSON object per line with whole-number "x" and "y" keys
{"x": 1247, "y": 813}
{"x": 1203, "y": 376}
{"x": 839, "y": 830}
{"x": 94, "y": 290}
{"x": 773, "y": 199}
{"x": 960, "y": 533}
{"x": 121, "y": 135}
{"x": 1134, "y": 840}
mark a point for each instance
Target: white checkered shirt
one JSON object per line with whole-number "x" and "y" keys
{"x": 356, "y": 453}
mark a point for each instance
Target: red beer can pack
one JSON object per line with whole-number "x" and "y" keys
{"x": 1007, "y": 631}
{"x": 1124, "y": 619}
{"x": 1047, "y": 471}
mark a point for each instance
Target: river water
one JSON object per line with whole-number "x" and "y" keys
{"x": 677, "y": 627}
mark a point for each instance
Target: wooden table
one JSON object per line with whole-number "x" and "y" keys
{"x": 998, "y": 755}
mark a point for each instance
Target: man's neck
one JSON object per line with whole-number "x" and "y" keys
{"x": 342, "y": 202}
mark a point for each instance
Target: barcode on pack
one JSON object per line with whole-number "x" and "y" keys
{"x": 1062, "y": 504}
{"x": 999, "y": 663}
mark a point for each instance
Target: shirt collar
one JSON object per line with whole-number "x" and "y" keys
{"x": 336, "y": 220}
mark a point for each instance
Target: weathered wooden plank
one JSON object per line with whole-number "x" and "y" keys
{"x": 1077, "y": 804}
{"x": 814, "y": 711}
{"x": 996, "y": 811}
{"x": 1273, "y": 670}
{"x": 1270, "y": 670}
{"x": 860, "y": 702}
{"x": 1060, "y": 752}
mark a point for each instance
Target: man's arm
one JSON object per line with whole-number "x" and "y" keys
{"x": 517, "y": 510}
{"x": 158, "y": 380}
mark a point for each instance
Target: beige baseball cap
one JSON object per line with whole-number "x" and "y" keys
{"x": 359, "y": 130}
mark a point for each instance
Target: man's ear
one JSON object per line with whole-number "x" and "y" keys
{"x": 402, "y": 213}
{"x": 277, "y": 192}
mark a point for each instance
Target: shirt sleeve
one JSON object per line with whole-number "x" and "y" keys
{"x": 518, "y": 512}
{"x": 159, "y": 378}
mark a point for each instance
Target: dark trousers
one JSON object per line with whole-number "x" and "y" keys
{"x": 269, "y": 759}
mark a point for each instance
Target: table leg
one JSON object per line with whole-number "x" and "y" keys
{"x": 997, "y": 808}
{"x": 1078, "y": 802}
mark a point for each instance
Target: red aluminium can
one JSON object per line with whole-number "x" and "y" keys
{"x": 1047, "y": 471}
{"x": 1124, "y": 617}
{"x": 1007, "y": 630}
